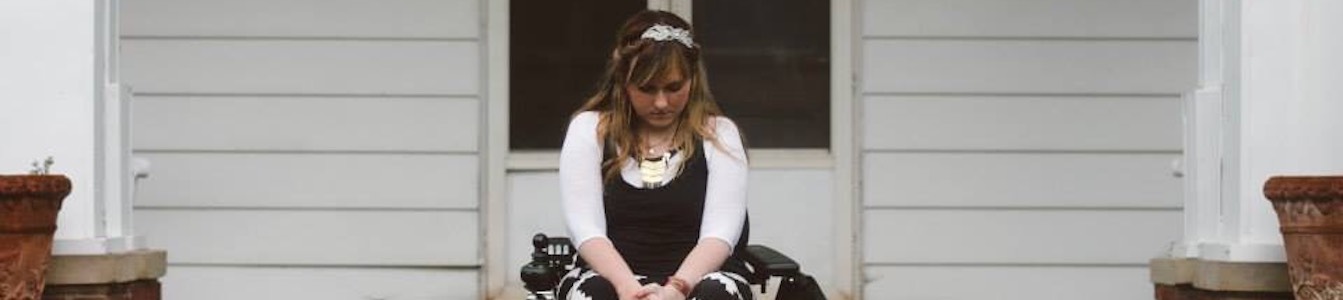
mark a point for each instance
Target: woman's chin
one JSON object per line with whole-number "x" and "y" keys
{"x": 659, "y": 124}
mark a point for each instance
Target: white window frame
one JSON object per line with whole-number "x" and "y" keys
{"x": 841, "y": 157}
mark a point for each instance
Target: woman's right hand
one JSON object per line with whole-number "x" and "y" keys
{"x": 635, "y": 292}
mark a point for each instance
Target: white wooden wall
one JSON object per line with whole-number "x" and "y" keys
{"x": 309, "y": 149}
{"x": 329, "y": 149}
{"x": 1021, "y": 149}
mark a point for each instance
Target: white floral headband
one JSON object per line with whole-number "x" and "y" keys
{"x": 663, "y": 32}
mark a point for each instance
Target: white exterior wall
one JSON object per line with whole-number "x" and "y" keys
{"x": 1265, "y": 107}
{"x": 1021, "y": 149}
{"x": 60, "y": 98}
{"x": 53, "y": 114}
{"x": 307, "y": 149}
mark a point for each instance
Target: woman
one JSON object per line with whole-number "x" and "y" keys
{"x": 653, "y": 176}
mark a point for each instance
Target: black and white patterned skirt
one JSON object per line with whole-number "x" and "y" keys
{"x": 584, "y": 284}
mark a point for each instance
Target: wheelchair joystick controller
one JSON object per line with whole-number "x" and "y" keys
{"x": 541, "y": 274}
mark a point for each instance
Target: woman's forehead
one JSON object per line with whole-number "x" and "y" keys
{"x": 669, "y": 74}
{"x": 659, "y": 65}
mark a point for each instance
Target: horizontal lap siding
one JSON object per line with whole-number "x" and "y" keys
{"x": 204, "y": 282}
{"x": 1020, "y": 180}
{"x": 246, "y": 123}
{"x": 309, "y": 149}
{"x": 1030, "y": 66}
{"x": 435, "y": 19}
{"x": 997, "y": 236}
{"x": 1023, "y": 123}
{"x": 313, "y": 237}
{"x": 302, "y": 67}
{"x": 1007, "y": 282}
{"x": 986, "y": 19}
{"x": 311, "y": 180}
{"x": 1023, "y": 148}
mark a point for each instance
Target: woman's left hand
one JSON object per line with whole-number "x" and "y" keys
{"x": 649, "y": 292}
{"x": 666, "y": 294}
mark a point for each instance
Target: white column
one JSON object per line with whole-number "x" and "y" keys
{"x": 1202, "y": 136}
{"x": 57, "y": 97}
{"x": 1269, "y": 107}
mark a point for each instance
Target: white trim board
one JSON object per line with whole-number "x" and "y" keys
{"x": 495, "y": 187}
{"x": 845, "y": 145}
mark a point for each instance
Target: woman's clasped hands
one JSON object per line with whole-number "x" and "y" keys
{"x": 653, "y": 291}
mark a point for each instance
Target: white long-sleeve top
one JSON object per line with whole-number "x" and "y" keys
{"x": 581, "y": 181}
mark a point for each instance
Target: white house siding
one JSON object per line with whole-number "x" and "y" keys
{"x": 1021, "y": 149}
{"x": 790, "y": 211}
{"x": 309, "y": 149}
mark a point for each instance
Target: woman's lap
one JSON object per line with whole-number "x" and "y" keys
{"x": 585, "y": 284}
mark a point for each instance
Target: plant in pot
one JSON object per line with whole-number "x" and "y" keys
{"x": 1310, "y": 215}
{"x": 28, "y": 208}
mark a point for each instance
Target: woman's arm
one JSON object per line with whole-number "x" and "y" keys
{"x": 724, "y": 204}
{"x": 707, "y": 256}
{"x": 581, "y": 193}
{"x": 603, "y": 257}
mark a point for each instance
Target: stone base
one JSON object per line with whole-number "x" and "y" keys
{"x": 1192, "y": 279}
{"x": 130, "y": 275}
{"x": 135, "y": 290}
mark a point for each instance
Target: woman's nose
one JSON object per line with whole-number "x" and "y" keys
{"x": 660, "y": 100}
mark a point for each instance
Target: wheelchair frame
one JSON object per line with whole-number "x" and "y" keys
{"x": 554, "y": 256}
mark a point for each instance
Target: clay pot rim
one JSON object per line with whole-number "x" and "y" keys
{"x": 1304, "y": 188}
{"x": 34, "y": 185}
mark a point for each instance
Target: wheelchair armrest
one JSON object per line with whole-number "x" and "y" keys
{"x": 767, "y": 262}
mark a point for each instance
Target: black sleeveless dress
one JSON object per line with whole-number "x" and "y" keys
{"x": 655, "y": 229}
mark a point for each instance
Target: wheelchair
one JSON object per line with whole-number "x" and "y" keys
{"x": 552, "y": 257}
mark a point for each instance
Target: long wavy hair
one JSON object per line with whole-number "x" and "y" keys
{"x": 637, "y": 61}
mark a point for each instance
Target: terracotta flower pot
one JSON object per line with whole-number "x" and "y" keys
{"x": 1310, "y": 213}
{"x": 28, "y": 208}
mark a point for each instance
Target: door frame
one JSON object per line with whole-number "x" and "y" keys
{"x": 842, "y": 157}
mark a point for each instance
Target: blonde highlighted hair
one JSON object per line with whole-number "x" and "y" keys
{"x": 638, "y": 61}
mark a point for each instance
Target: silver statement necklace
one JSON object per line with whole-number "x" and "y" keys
{"x": 653, "y": 168}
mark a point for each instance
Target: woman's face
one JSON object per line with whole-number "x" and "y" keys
{"x": 660, "y": 101}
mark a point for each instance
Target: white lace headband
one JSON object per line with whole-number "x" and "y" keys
{"x": 663, "y": 32}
